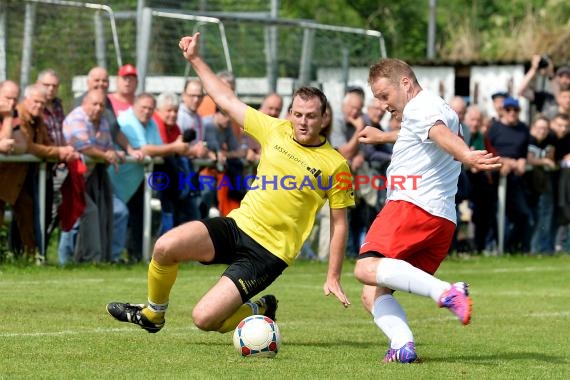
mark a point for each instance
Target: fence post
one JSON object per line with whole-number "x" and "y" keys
{"x": 100, "y": 54}
{"x": 147, "y": 212}
{"x": 271, "y": 51}
{"x": 143, "y": 47}
{"x": 42, "y": 200}
{"x": 306, "y": 56}
{"x": 29, "y": 21}
{"x": 3, "y": 42}
{"x": 502, "y": 196}
{"x": 345, "y": 68}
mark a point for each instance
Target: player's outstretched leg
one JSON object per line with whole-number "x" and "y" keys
{"x": 457, "y": 300}
{"x": 404, "y": 354}
{"x": 127, "y": 312}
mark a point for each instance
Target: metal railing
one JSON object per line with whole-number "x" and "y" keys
{"x": 42, "y": 176}
{"x": 148, "y": 169}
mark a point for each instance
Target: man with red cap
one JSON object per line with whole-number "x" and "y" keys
{"x": 127, "y": 82}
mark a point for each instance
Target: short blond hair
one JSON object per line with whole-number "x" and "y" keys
{"x": 391, "y": 69}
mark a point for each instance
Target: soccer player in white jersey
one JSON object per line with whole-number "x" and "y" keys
{"x": 411, "y": 235}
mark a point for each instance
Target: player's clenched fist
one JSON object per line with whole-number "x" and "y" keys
{"x": 188, "y": 45}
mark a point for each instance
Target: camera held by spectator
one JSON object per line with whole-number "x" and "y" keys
{"x": 544, "y": 61}
{"x": 189, "y": 135}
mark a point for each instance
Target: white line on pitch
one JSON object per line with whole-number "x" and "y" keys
{"x": 556, "y": 314}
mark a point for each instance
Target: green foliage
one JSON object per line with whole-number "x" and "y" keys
{"x": 465, "y": 30}
{"x": 323, "y": 11}
{"x": 513, "y": 30}
{"x": 57, "y": 328}
{"x": 403, "y": 24}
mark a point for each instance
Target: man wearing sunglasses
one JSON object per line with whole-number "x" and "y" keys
{"x": 509, "y": 137}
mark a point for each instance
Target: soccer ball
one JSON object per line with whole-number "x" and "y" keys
{"x": 257, "y": 335}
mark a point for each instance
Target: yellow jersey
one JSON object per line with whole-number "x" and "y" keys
{"x": 291, "y": 185}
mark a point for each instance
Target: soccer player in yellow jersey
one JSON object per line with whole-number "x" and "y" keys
{"x": 297, "y": 171}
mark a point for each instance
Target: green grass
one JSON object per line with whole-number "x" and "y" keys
{"x": 54, "y": 326}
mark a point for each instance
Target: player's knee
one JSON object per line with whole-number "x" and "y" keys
{"x": 163, "y": 248}
{"x": 365, "y": 270}
{"x": 359, "y": 270}
{"x": 202, "y": 320}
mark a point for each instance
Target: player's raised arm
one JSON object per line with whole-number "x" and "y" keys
{"x": 222, "y": 95}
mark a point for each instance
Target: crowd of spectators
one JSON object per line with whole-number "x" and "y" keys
{"x": 96, "y": 205}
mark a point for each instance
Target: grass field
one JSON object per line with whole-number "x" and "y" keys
{"x": 54, "y": 326}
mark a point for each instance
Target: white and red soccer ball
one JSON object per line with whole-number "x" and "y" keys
{"x": 257, "y": 336}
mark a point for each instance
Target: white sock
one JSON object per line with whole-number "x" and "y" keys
{"x": 391, "y": 319}
{"x": 400, "y": 275}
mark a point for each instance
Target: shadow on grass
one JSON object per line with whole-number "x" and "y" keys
{"x": 338, "y": 343}
{"x": 494, "y": 359}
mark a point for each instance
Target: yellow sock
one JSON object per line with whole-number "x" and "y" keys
{"x": 245, "y": 310}
{"x": 161, "y": 278}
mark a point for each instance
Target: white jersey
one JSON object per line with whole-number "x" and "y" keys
{"x": 420, "y": 171}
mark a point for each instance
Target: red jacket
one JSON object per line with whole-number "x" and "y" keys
{"x": 73, "y": 195}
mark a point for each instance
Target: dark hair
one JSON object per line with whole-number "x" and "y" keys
{"x": 355, "y": 90}
{"x": 562, "y": 116}
{"x": 326, "y": 129}
{"x": 500, "y": 94}
{"x": 307, "y": 92}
